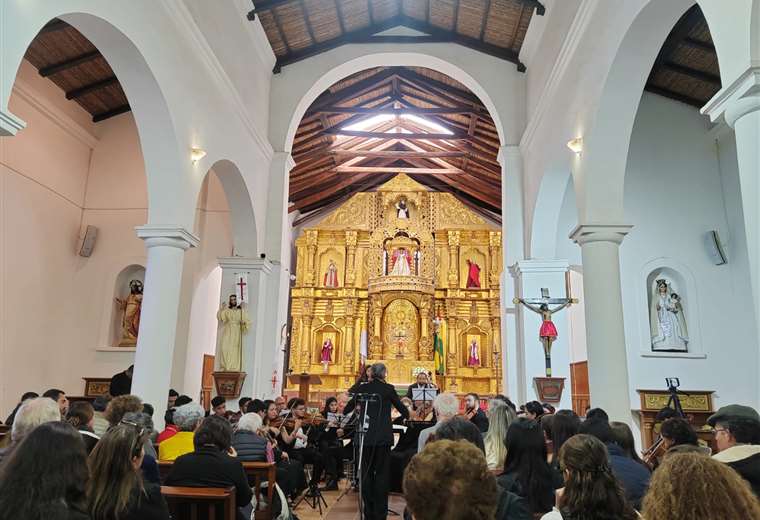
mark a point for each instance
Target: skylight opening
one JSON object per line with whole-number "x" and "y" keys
{"x": 379, "y": 119}
{"x": 370, "y": 122}
{"x": 421, "y": 121}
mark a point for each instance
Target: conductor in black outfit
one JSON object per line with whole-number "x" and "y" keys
{"x": 377, "y": 443}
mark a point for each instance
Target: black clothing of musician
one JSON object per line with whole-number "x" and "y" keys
{"x": 377, "y": 443}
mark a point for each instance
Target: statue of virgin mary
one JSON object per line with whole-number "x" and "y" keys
{"x": 667, "y": 320}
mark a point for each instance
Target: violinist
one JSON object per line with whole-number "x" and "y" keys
{"x": 473, "y": 412}
{"x": 422, "y": 382}
{"x": 298, "y": 438}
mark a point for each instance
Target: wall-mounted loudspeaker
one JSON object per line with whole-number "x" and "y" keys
{"x": 715, "y": 248}
{"x": 88, "y": 244}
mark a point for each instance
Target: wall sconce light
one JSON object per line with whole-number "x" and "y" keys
{"x": 576, "y": 145}
{"x": 196, "y": 154}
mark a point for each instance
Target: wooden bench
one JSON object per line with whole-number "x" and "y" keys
{"x": 200, "y": 503}
{"x": 257, "y": 473}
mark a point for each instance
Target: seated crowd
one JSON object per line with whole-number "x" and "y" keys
{"x": 101, "y": 460}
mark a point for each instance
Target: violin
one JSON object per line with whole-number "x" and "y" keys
{"x": 652, "y": 454}
{"x": 289, "y": 422}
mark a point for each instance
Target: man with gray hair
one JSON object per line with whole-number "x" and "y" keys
{"x": 446, "y": 406}
{"x": 187, "y": 418}
{"x": 31, "y": 414}
{"x": 377, "y": 396}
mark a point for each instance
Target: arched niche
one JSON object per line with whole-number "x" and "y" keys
{"x": 682, "y": 282}
{"x": 121, "y": 291}
{"x": 402, "y": 240}
{"x": 321, "y": 333}
{"x": 325, "y": 256}
{"x": 474, "y": 254}
{"x": 483, "y": 338}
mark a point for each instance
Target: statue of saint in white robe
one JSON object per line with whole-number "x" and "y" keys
{"x": 667, "y": 321}
{"x": 402, "y": 263}
{"x": 234, "y": 323}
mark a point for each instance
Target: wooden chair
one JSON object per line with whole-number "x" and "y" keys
{"x": 257, "y": 473}
{"x": 200, "y": 503}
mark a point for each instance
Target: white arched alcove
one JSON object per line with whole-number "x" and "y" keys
{"x": 683, "y": 282}
{"x": 242, "y": 216}
{"x": 546, "y": 214}
{"x": 121, "y": 290}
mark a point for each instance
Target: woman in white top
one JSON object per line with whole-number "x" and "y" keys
{"x": 500, "y": 416}
{"x": 591, "y": 491}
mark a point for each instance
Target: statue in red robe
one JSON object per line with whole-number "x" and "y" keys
{"x": 473, "y": 276}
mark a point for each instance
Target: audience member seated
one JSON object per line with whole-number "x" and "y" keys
{"x": 591, "y": 490}
{"x": 565, "y": 424}
{"x": 59, "y": 396}
{"x": 449, "y": 480}
{"x": 623, "y": 436}
{"x": 597, "y": 413}
{"x": 526, "y": 470}
{"x": 258, "y": 407}
{"x": 149, "y": 466}
{"x": 219, "y": 406}
{"x": 45, "y": 478}
{"x": 32, "y": 413}
{"x": 678, "y": 432}
{"x": 100, "y": 423}
{"x": 460, "y": 429}
{"x": 737, "y": 435}
{"x": 500, "y": 416}
{"x": 187, "y": 418}
{"x": 82, "y": 416}
{"x": 253, "y": 447}
{"x": 213, "y": 463}
{"x": 242, "y": 404}
{"x": 121, "y": 383}
{"x": 25, "y": 397}
{"x": 692, "y": 485}
{"x": 172, "y": 400}
{"x": 120, "y": 405}
{"x": 117, "y": 489}
{"x": 533, "y": 410}
{"x": 446, "y": 406}
{"x": 633, "y": 475}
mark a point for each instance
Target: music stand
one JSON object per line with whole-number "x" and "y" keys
{"x": 426, "y": 395}
{"x": 362, "y": 425}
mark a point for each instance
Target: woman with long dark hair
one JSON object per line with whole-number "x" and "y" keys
{"x": 526, "y": 471}
{"x": 81, "y": 415}
{"x": 117, "y": 490}
{"x": 591, "y": 490}
{"x": 45, "y": 477}
{"x": 565, "y": 424}
{"x": 623, "y": 437}
{"x": 330, "y": 446}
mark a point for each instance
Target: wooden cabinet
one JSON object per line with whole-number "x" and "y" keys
{"x": 696, "y": 404}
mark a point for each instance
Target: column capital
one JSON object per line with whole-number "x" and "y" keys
{"x": 587, "y": 233}
{"x": 539, "y": 266}
{"x": 737, "y": 99}
{"x": 164, "y": 235}
{"x": 507, "y": 152}
{"x": 245, "y": 263}
{"x": 10, "y": 124}
{"x": 286, "y": 158}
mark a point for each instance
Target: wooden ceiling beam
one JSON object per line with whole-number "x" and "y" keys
{"x": 53, "y": 25}
{"x": 383, "y": 135}
{"x": 439, "y": 88}
{"x": 535, "y": 4}
{"x": 484, "y": 19}
{"x": 400, "y": 154}
{"x": 680, "y": 31}
{"x": 693, "y": 73}
{"x": 698, "y": 44}
{"x": 264, "y": 5}
{"x": 339, "y": 11}
{"x": 355, "y": 90}
{"x": 92, "y": 87}
{"x": 654, "y": 89}
{"x": 102, "y": 116}
{"x": 455, "y": 18}
{"x": 309, "y": 28}
{"x": 69, "y": 63}
{"x": 280, "y": 30}
{"x": 341, "y": 192}
{"x": 397, "y": 111}
{"x": 396, "y": 169}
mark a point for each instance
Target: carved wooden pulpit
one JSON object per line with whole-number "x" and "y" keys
{"x": 303, "y": 381}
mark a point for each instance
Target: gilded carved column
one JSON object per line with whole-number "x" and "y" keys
{"x": 496, "y": 350}
{"x": 305, "y": 343}
{"x": 453, "y": 259}
{"x": 494, "y": 255}
{"x": 311, "y": 252}
{"x": 296, "y": 333}
{"x": 351, "y": 238}
{"x": 376, "y": 342}
{"x": 348, "y": 358}
{"x": 452, "y": 321}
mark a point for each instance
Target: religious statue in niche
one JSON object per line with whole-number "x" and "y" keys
{"x": 402, "y": 211}
{"x": 473, "y": 360}
{"x": 325, "y": 356}
{"x": 401, "y": 262}
{"x": 331, "y": 276}
{"x": 130, "y": 321}
{"x": 234, "y": 323}
{"x": 473, "y": 275}
{"x": 667, "y": 320}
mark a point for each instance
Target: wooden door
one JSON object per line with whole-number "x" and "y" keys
{"x": 580, "y": 389}
{"x": 207, "y": 381}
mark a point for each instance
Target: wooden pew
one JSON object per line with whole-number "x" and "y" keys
{"x": 200, "y": 503}
{"x": 257, "y": 473}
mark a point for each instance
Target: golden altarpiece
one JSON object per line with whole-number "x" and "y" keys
{"x": 393, "y": 263}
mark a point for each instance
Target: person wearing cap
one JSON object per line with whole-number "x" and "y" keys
{"x": 737, "y": 436}
{"x": 219, "y": 406}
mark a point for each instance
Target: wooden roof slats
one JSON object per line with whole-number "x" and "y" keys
{"x": 68, "y": 59}
{"x": 298, "y": 29}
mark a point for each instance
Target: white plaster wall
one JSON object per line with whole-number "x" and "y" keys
{"x": 681, "y": 181}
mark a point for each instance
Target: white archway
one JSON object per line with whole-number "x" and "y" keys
{"x": 544, "y": 223}
{"x": 242, "y": 216}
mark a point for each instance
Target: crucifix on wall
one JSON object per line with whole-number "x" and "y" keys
{"x": 241, "y": 287}
{"x": 400, "y": 336}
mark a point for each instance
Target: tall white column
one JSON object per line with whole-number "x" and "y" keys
{"x": 513, "y": 250}
{"x": 158, "y": 319}
{"x": 739, "y": 104}
{"x": 257, "y": 352}
{"x": 532, "y": 276}
{"x": 605, "y": 335}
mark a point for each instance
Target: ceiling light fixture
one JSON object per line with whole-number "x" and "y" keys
{"x": 576, "y": 145}
{"x": 196, "y": 154}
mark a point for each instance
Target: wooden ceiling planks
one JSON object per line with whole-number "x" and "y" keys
{"x": 441, "y": 135}
{"x": 64, "y": 56}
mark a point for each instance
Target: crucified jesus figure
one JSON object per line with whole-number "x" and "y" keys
{"x": 548, "y": 332}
